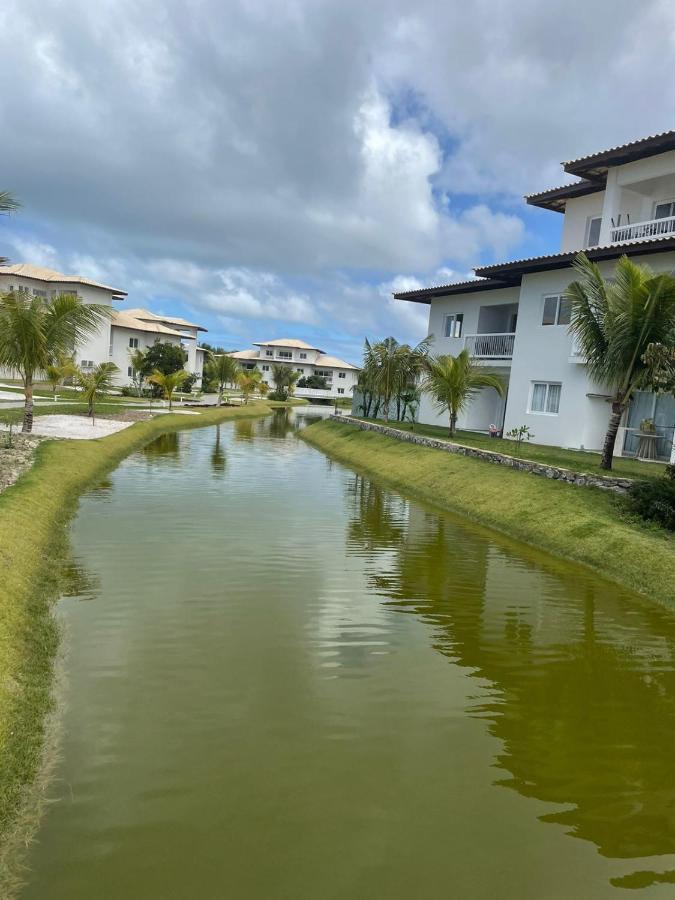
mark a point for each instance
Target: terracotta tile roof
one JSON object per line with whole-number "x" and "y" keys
{"x": 170, "y": 320}
{"x": 593, "y": 163}
{"x": 40, "y": 273}
{"x": 126, "y": 320}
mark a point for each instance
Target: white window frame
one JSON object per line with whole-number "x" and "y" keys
{"x": 265, "y": 368}
{"x": 548, "y": 385}
{"x": 303, "y": 356}
{"x": 340, "y": 390}
{"x": 457, "y": 320}
{"x": 133, "y": 343}
{"x": 559, "y": 298}
{"x": 661, "y": 203}
{"x": 342, "y": 374}
{"x": 285, "y": 354}
{"x": 269, "y": 352}
{"x": 589, "y": 225}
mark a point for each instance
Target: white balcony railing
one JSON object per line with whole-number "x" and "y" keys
{"x": 490, "y": 346}
{"x": 641, "y": 230}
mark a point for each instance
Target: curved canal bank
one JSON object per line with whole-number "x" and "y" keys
{"x": 34, "y": 513}
{"x": 285, "y": 680}
{"x": 584, "y": 525}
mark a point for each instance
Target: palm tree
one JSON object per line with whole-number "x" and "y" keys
{"x": 614, "y": 322}
{"x": 57, "y": 373}
{"x": 168, "y": 383}
{"x": 95, "y": 384}
{"x": 452, "y": 382}
{"x": 7, "y": 205}
{"x": 391, "y": 368}
{"x": 34, "y": 333}
{"x": 138, "y": 368}
{"x": 222, "y": 369}
{"x": 249, "y": 381}
{"x": 284, "y": 379}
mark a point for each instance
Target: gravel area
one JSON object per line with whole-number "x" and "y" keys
{"x": 76, "y": 427}
{"x": 16, "y": 459}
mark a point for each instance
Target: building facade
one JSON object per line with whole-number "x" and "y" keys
{"x": 514, "y": 318}
{"x": 340, "y": 376}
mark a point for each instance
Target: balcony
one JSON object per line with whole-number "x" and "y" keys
{"x": 640, "y": 231}
{"x": 498, "y": 345}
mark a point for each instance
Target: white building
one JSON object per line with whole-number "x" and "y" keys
{"x": 117, "y": 336}
{"x": 513, "y": 318}
{"x": 340, "y": 376}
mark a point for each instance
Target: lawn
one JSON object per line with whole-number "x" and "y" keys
{"x": 587, "y": 525}
{"x": 576, "y": 460}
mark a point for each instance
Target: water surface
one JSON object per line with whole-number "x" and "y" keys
{"x": 284, "y": 681}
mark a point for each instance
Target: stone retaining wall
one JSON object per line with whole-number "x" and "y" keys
{"x": 607, "y": 483}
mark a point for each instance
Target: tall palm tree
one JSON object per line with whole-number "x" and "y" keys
{"x": 96, "y": 384}
{"x": 453, "y": 381}
{"x": 390, "y": 368}
{"x": 168, "y": 383}
{"x": 34, "y": 333}
{"x": 284, "y": 379}
{"x": 614, "y": 322}
{"x": 7, "y": 205}
{"x": 249, "y": 381}
{"x": 222, "y": 369}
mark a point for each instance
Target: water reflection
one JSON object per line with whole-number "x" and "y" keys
{"x": 167, "y": 444}
{"x": 218, "y": 458}
{"x": 583, "y": 697}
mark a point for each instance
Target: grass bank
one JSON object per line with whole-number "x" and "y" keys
{"x": 34, "y": 514}
{"x": 576, "y": 460}
{"x": 585, "y": 525}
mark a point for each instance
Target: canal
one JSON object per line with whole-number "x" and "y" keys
{"x": 282, "y": 680}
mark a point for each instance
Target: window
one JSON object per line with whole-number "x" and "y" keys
{"x": 87, "y": 363}
{"x": 545, "y": 397}
{"x": 130, "y": 372}
{"x": 453, "y": 325}
{"x": 300, "y": 371}
{"x": 341, "y": 375}
{"x": 557, "y": 310}
{"x": 285, "y": 354}
{"x": 38, "y": 293}
{"x": 324, "y": 373}
{"x": 340, "y": 390}
{"x": 265, "y": 368}
{"x": 133, "y": 343}
{"x": 593, "y": 231}
{"x": 303, "y": 356}
{"x": 269, "y": 352}
{"x": 664, "y": 210}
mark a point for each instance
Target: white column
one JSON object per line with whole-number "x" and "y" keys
{"x": 611, "y": 208}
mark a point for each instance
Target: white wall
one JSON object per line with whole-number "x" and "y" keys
{"x": 340, "y": 387}
{"x": 121, "y": 349}
{"x": 577, "y": 213}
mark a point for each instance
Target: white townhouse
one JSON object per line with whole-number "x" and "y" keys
{"x": 116, "y": 336}
{"x": 138, "y": 329}
{"x": 340, "y": 376}
{"x": 42, "y": 282}
{"x": 513, "y": 317}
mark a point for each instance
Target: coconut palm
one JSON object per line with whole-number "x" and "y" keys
{"x": 96, "y": 384}
{"x": 7, "y": 205}
{"x": 137, "y": 359}
{"x": 168, "y": 383}
{"x": 284, "y": 379}
{"x": 223, "y": 369}
{"x": 249, "y": 381}
{"x": 57, "y": 373}
{"x": 35, "y": 332}
{"x": 614, "y": 322}
{"x": 452, "y": 381}
{"x": 390, "y": 368}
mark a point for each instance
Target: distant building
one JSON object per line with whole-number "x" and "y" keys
{"x": 340, "y": 376}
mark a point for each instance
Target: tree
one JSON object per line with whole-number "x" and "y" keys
{"x": 614, "y": 322}
{"x": 95, "y": 384}
{"x": 390, "y": 368}
{"x": 165, "y": 358}
{"x": 7, "y": 205}
{"x": 452, "y": 381}
{"x": 249, "y": 381}
{"x": 168, "y": 383}
{"x": 139, "y": 368}
{"x": 222, "y": 369}
{"x": 660, "y": 361}
{"x": 318, "y": 382}
{"x": 35, "y": 332}
{"x": 61, "y": 369}
{"x": 284, "y": 379}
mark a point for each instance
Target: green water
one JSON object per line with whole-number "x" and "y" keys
{"x": 283, "y": 681}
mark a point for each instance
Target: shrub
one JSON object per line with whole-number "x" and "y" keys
{"x": 277, "y": 395}
{"x": 655, "y": 501}
{"x": 188, "y": 384}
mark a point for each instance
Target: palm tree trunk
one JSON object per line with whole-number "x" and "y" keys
{"x": 170, "y": 399}
{"x": 221, "y": 388}
{"x": 453, "y": 424}
{"x": 610, "y": 437}
{"x": 28, "y": 407}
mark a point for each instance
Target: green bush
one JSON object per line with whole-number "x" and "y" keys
{"x": 655, "y": 501}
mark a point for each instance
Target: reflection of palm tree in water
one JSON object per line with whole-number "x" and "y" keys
{"x": 583, "y": 718}
{"x": 218, "y": 458}
{"x": 167, "y": 444}
{"x": 243, "y": 429}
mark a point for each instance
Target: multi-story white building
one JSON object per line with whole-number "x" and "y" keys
{"x": 513, "y": 316}
{"x": 340, "y": 376}
{"x": 117, "y": 335}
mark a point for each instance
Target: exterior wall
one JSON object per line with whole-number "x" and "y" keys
{"x": 338, "y": 387}
{"x": 119, "y": 349}
{"x": 575, "y": 224}
{"x": 301, "y": 357}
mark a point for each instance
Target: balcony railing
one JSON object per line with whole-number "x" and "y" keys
{"x": 641, "y": 230}
{"x": 490, "y": 346}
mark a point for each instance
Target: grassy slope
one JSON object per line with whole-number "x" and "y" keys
{"x": 581, "y": 524}
{"x": 33, "y": 516}
{"x": 576, "y": 460}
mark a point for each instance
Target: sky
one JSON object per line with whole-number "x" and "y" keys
{"x": 277, "y": 169}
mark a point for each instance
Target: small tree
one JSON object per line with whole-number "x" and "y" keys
{"x": 390, "y": 369}
{"x": 139, "y": 368}
{"x": 284, "y": 379}
{"x": 452, "y": 382}
{"x": 58, "y": 372}
{"x": 223, "y": 370}
{"x": 168, "y": 383}
{"x": 249, "y": 381}
{"x": 96, "y": 384}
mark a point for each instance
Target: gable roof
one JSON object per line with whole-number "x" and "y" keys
{"x": 40, "y": 273}
{"x": 556, "y": 198}
{"x": 296, "y": 343}
{"x": 148, "y": 316}
{"x": 595, "y": 165}
{"x": 125, "y": 319}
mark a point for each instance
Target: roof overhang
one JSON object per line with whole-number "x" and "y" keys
{"x": 426, "y": 295}
{"x": 595, "y": 166}
{"x": 556, "y": 198}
